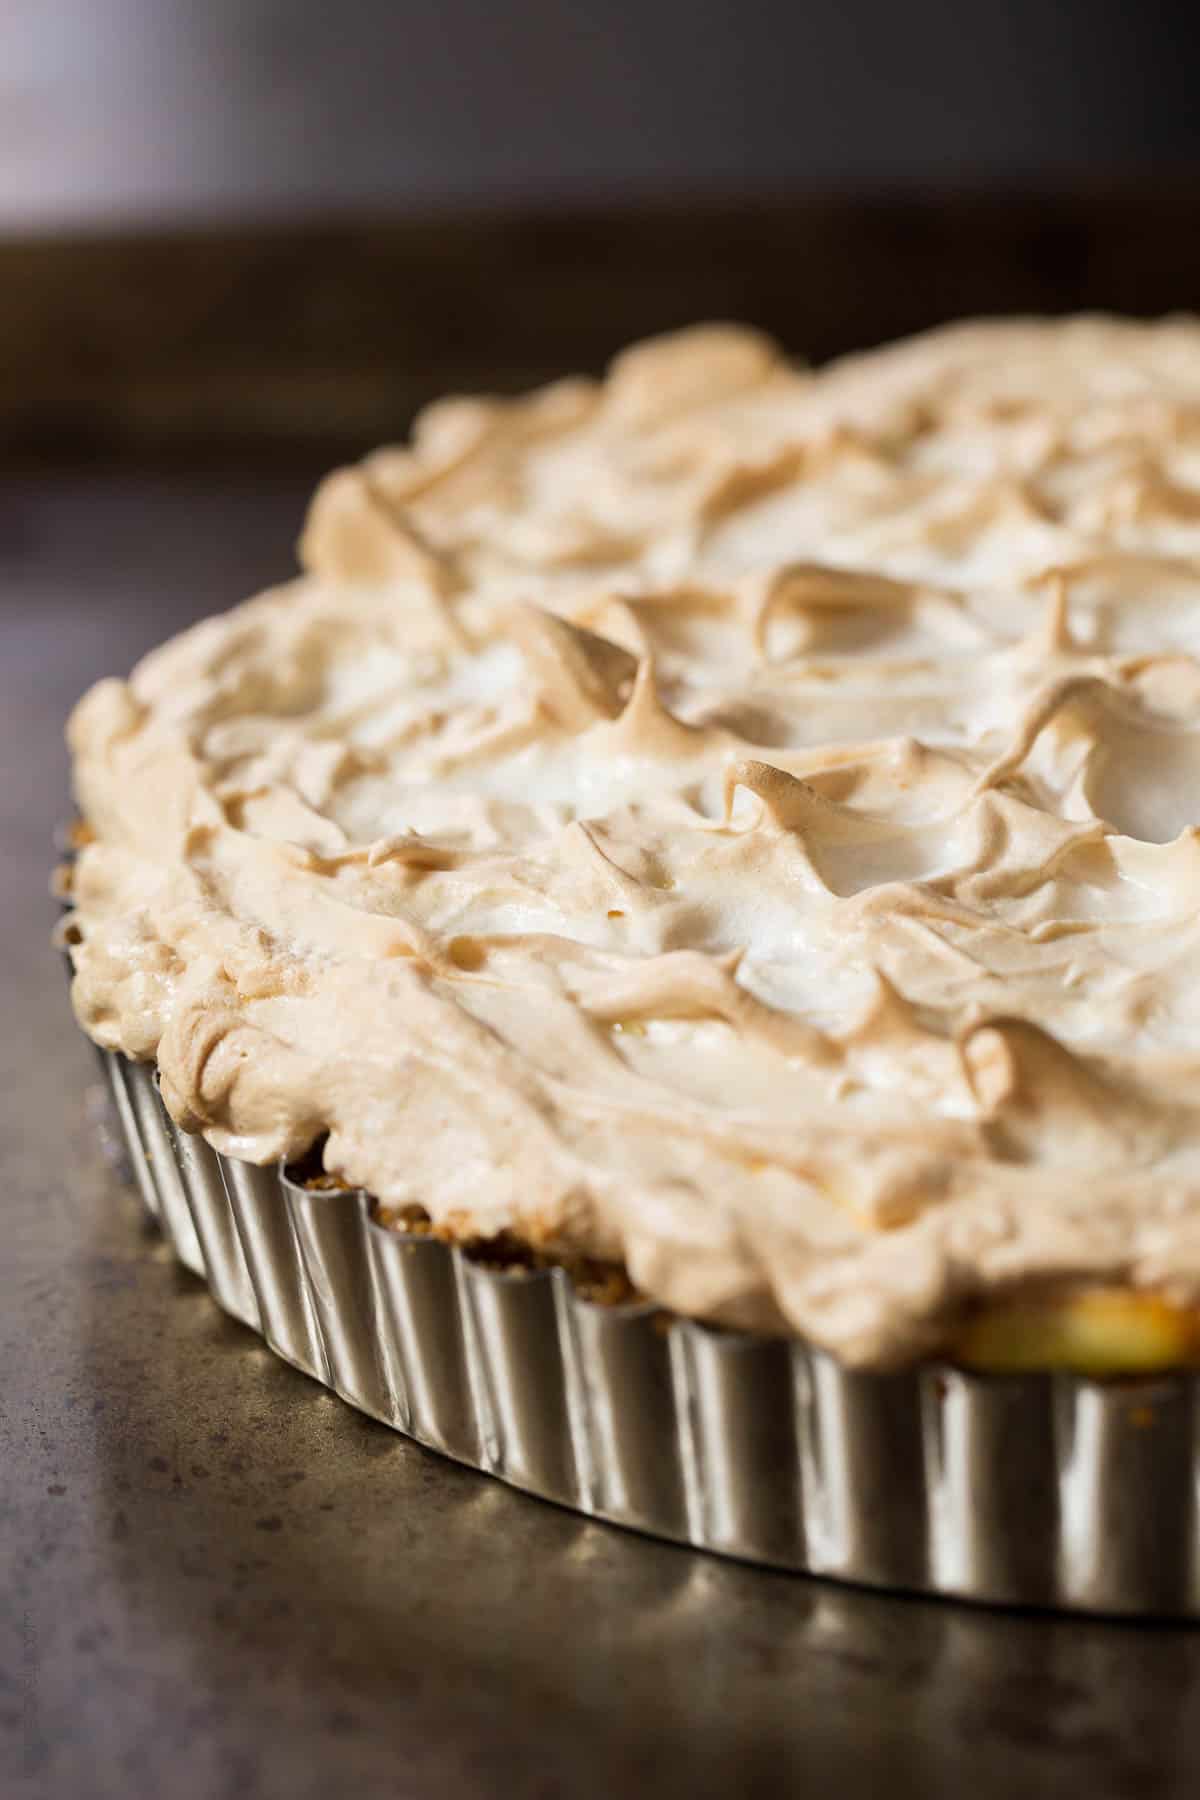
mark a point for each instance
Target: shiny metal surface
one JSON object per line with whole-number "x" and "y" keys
{"x": 1042, "y": 1491}
{"x": 219, "y": 1583}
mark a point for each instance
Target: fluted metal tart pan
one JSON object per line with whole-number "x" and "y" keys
{"x": 1046, "y": 1490}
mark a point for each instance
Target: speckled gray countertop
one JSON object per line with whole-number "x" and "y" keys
{"x": 217, "y": 1580}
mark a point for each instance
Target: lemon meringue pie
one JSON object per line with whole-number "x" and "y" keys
{"x": 729, "y": 822}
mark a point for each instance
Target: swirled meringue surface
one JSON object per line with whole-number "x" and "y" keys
{"x": 731, "y": 819}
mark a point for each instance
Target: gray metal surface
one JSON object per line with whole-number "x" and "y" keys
{"x": 215, "y": 1580}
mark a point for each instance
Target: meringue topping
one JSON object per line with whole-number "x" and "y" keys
{"x": 733, "y": 820}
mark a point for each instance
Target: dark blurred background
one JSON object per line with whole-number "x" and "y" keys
{"x": 166, "y": 109}
{"x": 251, "y": 227}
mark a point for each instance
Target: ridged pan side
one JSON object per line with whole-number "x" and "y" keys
{"x": 1044, "y": 1490}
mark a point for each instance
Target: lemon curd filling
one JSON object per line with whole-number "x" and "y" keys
{"x": 1097, "y": 1331}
